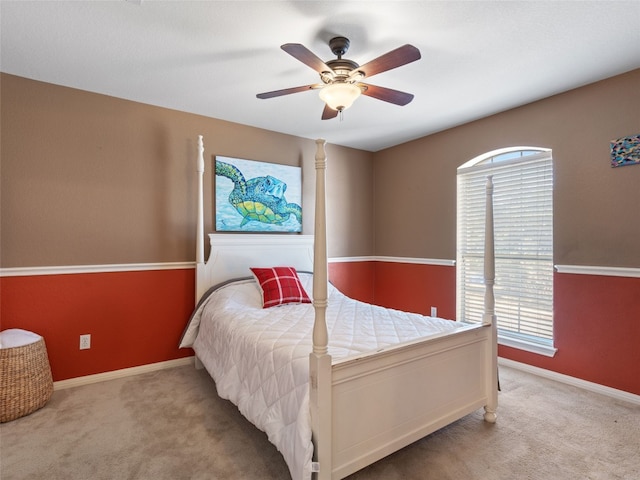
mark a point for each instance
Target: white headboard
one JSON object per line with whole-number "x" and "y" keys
{"x": 232, "y": 255}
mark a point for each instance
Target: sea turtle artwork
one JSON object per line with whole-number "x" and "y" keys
{"x": 260, "y": 199}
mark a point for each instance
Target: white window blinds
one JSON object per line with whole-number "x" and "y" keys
{"x": 523, "y": 218}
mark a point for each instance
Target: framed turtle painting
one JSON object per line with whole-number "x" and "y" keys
{"x": 253, "y": 196}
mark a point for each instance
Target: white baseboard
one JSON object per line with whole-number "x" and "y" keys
{"x": 576, "y": 382}
{"x": 125, "y": 372}
{"x": 541, "y": 372}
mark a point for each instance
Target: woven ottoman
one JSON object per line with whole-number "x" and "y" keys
{"x": 26, "y": 383}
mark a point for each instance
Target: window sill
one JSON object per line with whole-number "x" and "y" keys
{"x": 546, "y": 350}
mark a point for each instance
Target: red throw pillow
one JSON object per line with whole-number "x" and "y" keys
{"x": 279, "y": 286}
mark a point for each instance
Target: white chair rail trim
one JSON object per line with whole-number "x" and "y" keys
{"x": 420, "y": 261}
{"x": 77, "y": 269}
{"x": 602, "y": 271}
{"x": 135, "y": 267}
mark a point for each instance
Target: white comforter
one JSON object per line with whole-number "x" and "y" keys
{"x": 259, "y": 358}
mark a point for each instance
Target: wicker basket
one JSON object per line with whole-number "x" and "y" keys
{"x": 26, "y": 383}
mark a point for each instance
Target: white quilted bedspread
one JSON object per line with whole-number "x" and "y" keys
{"x": 259, "y": 358}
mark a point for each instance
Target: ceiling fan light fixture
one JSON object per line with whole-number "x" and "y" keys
{"x": 340, "y": 96}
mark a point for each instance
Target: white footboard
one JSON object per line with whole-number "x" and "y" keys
{"x": 385, "y": 401}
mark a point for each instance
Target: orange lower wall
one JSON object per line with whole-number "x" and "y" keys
{"x": 405, "y": 286}
{"x": 597, "y": 318}
{"x": 596, "y": 331}
{"x": 416, "y": 288}
{"x": 137, "y": 318}
{"x": 354, "y": 279}
{"x": 134, "y": 318}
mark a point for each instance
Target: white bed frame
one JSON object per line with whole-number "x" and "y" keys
{"x": 365, "y": 408}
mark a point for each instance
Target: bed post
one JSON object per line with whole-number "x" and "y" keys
{"x": 200, "y": 223}
{"x": 319, "y": 359}
{"x": 489, "y": 317}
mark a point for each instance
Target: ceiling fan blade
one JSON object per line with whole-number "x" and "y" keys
{"x": 285, "y": 91}
{"x": 386, "y": 94}
{"x": 329, "y": 113}
{"x": 393, "y": 59}
{"x": 306, "y": 56}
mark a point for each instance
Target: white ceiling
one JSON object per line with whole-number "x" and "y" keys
{"x": 212, "y": 57}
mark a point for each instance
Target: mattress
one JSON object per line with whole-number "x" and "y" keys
{"x": 259, "y": 357}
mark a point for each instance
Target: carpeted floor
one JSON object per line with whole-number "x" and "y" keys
{"x": 171, "y": 425}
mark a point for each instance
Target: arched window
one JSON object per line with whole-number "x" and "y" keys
{"x": 523, "y": 218}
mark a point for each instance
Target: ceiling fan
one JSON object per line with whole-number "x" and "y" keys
{"x": 341, "y": 79}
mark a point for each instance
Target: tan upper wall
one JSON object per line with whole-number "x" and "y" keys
{"x": 89, "y": 179}
{"x": 596, "y": 207}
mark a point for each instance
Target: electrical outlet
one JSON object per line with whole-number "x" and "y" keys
{"x": 85, "y": 342}
{"x": 434, "y": 311}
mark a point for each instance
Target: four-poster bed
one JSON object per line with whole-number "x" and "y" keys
{"x": 355, "y": 399}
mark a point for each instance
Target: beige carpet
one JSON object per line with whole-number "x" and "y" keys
{"x": 172, "y": 425}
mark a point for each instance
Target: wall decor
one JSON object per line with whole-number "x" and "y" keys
{"x": 256, "y": 196}
{"x": 625, "y": 151}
